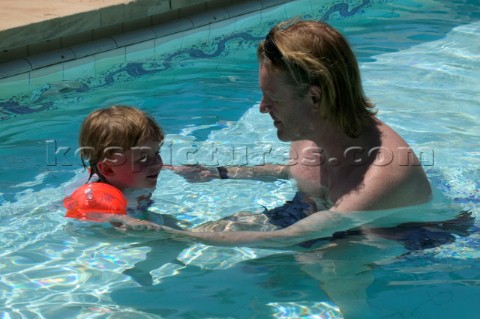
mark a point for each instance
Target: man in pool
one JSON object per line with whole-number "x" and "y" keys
{"x": 353, "y": 167}
{"x": 356, "y": 176}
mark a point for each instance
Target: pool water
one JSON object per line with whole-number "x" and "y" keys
{"x": 420, "y": 64}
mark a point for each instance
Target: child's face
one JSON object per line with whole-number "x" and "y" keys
{"x": 138, "y": 167}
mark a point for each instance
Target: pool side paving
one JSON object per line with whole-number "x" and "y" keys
{"x": 36, "y": 34}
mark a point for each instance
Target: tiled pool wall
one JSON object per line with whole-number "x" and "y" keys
{"x": 92, "y": 58}
{"x": 65, "y": 63}
{"x": 62, "y": 24}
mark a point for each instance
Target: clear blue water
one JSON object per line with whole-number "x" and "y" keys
{"x": 420, "y": 64}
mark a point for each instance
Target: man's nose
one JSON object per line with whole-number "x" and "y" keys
{"x": 264, "y": 106}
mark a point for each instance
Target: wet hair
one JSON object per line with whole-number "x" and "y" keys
{"x": 115, "y": 130}
{"x": 314, "y": 53}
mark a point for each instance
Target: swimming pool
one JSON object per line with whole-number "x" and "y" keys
{"x": 420, "y": 64}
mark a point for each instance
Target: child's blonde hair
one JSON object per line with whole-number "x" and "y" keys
{"x": 113, "y": 130}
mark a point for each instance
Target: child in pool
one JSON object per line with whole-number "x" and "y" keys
{"x": 121, "y": 145}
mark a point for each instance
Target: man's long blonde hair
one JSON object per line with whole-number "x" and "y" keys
{"x": 314, "y": 53}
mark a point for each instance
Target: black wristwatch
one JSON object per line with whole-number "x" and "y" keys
{"x": 222, "y": 171}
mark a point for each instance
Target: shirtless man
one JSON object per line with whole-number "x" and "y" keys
{"x": 353, "y": 166}
{"x": 356, "y": 176}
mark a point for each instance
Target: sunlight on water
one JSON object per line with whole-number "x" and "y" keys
{"x": 313, "y": 310}
{"x": 210, "y": 257}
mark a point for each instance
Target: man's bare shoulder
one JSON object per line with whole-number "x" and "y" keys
{"x": 385, "y": 188}
{"x": 393, "y": 178}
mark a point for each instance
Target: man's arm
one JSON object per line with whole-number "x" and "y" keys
{"x": 122, "y": 222}
{"x": 272, "y": 171}
{"x": 200, "y": 173}
{"x": 318, "y": 225}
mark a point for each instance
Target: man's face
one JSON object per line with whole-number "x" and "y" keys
{"x": 136, "y": 168}
{"x": 293, "y": 116}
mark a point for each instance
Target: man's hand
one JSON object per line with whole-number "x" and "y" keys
{"x": 124, "y": 222}
{"x": 195, "y": 173}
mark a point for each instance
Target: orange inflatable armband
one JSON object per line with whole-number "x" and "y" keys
{"x": 95, "y": 198}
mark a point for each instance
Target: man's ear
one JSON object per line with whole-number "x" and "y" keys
{"x": 316, "y": 96}
{"x": 105, "y": 168}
